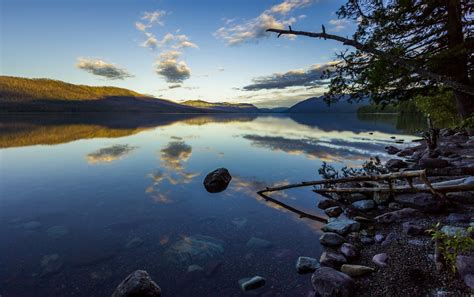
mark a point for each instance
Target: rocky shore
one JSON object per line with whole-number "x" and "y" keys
{"x": 378, "y": 245}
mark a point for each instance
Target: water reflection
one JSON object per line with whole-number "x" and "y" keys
{"x": 109, "y": 154}
{"x": 149, "y": 205}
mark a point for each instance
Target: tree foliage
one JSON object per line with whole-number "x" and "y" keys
{"x": 432, "y": 35}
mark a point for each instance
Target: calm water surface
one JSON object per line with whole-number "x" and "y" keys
{"x": 86, "y": 199}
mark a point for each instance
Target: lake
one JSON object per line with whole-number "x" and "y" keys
{"x": 87, "y": 199}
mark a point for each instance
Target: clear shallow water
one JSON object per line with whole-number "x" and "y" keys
{"x": 87, "y": 199}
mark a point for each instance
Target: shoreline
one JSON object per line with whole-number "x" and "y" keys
{"x": 381, "y": 241}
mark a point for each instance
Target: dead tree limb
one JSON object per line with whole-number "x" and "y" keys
{"x": 302, "y": 214}
{"x": 395, "y": 60}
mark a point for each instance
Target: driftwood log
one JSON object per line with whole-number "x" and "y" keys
{"x": 326, "y": 187}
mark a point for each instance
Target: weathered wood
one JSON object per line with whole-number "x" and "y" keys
{"x": 302, "y": 214}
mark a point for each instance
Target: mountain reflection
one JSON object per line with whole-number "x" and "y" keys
{"x": 331, "y": 150}
{"x": 109, "y": 154}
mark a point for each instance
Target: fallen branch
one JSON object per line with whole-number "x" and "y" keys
{"x": 395, "y": 60}
{"x": 302, "y": 214}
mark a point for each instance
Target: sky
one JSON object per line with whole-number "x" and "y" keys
{"x": 174, "y": 49}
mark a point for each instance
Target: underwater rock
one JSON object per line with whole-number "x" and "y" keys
{"x": 57, "y": 231}
{"x": 239, "y": 222}
{"x": 51, "y": 264}
{"x": 217, "y": 181}
{"x": 258, "y": 243}
{"x": 137, "y": 284}
{"x": 33, "y": 225}
{"x": 247, "y": 284}
{"x": 195, "y": 249}
{"x": 134, "y": 242}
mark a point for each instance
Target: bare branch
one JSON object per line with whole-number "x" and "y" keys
{"x": 395, "y": 60}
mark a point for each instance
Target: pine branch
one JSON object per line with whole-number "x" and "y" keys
{"x": 395, "y": 60}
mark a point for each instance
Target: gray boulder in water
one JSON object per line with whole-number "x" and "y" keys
{"x": 217, "y": 181}
{"x": 330, "y": 282}
{"x": 195, "y": 249}
{"x": 138, "y": 283}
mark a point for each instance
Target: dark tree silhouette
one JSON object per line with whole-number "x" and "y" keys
{"x": 404, "y": 48}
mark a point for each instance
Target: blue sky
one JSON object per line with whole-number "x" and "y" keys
{"x": 174, "y": 49}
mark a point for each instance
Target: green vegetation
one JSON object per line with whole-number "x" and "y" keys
{"x": 451, "y": 246}
{"x": 440, "y": 106}
{"x": 21, "y": 89}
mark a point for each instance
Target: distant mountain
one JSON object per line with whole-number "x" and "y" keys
{"x": 318, "y": 105}
{"x": 222, "y": 106}
{"x": 273, "y": 110}
{"x": 31, "y": 95}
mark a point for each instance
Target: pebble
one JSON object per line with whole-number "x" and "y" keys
{"x": 356, "y": 270}
{"x": 380, "y": 259}
{"x": 247, "y": 284}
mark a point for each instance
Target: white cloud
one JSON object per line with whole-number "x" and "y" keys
{"x": 141, "y": 26}
{"x": 101, "y": 68}
{"x": 151, "y": 41}
{"x": 287, "y": 6}
{"x": 154, "y": 17}
{"x": 338, "y": 25}
{"x": 254, "y": 29}
{"x": 171, "y": 69}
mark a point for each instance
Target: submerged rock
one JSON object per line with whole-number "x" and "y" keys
{"x": 137, "y": 284}
{"x": 51, "y": 264}
{"x": 217, "y": 181}
{"x": 356, "y": 270}
{"x": 239, "y": 222}
{"x": 195, "y": 249}
{"x": 329, "y": 282}
{"x": 134, "y": 242}
{"x": 247, "y": 284}
{"x": 258, "y": 243}
{"x": 31, "y": 226}
{"x": 57, "y": 231}
{"x": 331, "y": 239}
{"x": 306, "y": 265}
